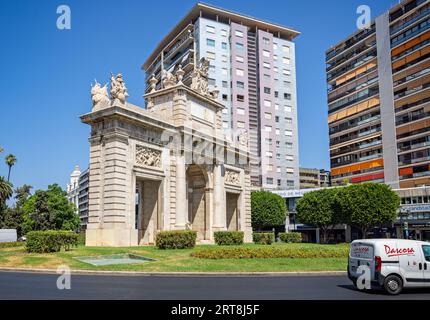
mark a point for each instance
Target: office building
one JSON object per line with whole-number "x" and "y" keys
{"x": 379, "y": 100}
{"x": 252, "y": 64}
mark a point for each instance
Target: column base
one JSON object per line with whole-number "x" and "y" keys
{"x": 111, "y": 237}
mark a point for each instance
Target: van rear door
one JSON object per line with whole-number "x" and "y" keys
{"x": 426, "y": 263}
{"x": 361, "y": 253}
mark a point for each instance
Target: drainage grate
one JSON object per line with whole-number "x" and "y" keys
{"x": 106, "y": 260}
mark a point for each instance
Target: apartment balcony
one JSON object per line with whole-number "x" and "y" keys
{"x": 181, "y": 44}
{"x": 401, "y": 26}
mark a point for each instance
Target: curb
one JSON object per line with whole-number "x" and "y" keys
{"x": 181, "y": 274}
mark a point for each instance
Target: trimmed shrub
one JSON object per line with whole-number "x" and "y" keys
{"x": 263, "y": 237}
{"x": 290, "y": 237}
{"x": 51, "y": 241}
{"x": 11, "y": 244}
{"x": 228, "y": 238}
{"x": 179, "y": 239}
{"x": 281, "y": 251}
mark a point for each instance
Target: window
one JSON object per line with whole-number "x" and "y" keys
{"x": 286, "y": 49}
{"x": 225, "y": 84}
{"x": 224, "y": 71}
{"x": 269, "y": 154}
{"x": 239, "y": 59}
{"x": 241, "y": 124}
{"x": 288, "y": 120}
{"x": 275, "y": 57}
{"x": 275, "y": 46}
{"x": 225, "y": 124}
{"x": 286, "y": 60}
{"x": 278, "y": 144}
{"x": 267, "y": 103}
{"x": 289, "y": 145}
{"x": 266, "y": 65}
{"x": 289, "y": 157}
{"x": 240, "y": 84}
{"x": 276, "y": 106}
{"x": 290, "y": 183}
{"x": 240, "y": 98}
{"x": 269, "y": 141}
{"x": 240, "y": 111}
{"x": 278, "y": 156}
{"x": 269, "y": 181}
{"x": 287, "y": 84}
{"x": 266, "y": 40}
{"x": 224, "y": 45}
{"x": 276, "y": 94}
{"x": 211, "y": 82}
{"x": 225, "y": 111}
{"x": 210, "y": 55}
{"x": 288, "y": 133}
{"x": 286, "y": 72}
{"x": 239, "y": 46}
{"x": 267, "y": 76}
{"x": 278, "y": 169}
{"x": 426, "y": 252}
{"x": 268, "y": 115}
{"x": 212, "y": 69}
{"x": 269, "y": 167}
{"x": 225, "y": 97}
{"x": 210, "y": 29}
{"x": 224, "y": 32}
{"x": 278, "y": 132}
{"x": 287, "y": 96}
{"x": 238, "y": 33}
{"x": 240, "y": 72}
{"x": 267, "y": 90}
{"x": 268, "y": 128}
{"x": 275, "y": 69}
{"x": 290, "y": 170}
{"x": 210, "y": 42}
{"x": 288, "y": 109}
{"x": 266, "y": 53}
{"x": 277, "y": 120}
{"x": 224, "y": 58}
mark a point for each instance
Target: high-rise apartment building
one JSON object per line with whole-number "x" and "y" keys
{"x": 379, "y": 100}
{"x": 314, "y": 178}
{"x": 77, "y": 193}
{"x": 252, "y": 63}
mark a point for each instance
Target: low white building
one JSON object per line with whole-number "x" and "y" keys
{"x": 73, "y": 187}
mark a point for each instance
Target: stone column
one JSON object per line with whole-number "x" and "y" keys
{"x": 181, "y": 192}
{"x": 219, "y": 217}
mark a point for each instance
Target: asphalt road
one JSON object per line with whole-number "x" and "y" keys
{"x": 43, "y": 286}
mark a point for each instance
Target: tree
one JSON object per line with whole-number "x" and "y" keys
{"x": 367, "y": 205}
{"x": 14, "y": 217}
{"x": 6, "y": 190}
{"x": 321, "y": 209}
{"x": 267, "y": 210}
{"x": 10, "y": 161}
{"x": 50, "y": 210}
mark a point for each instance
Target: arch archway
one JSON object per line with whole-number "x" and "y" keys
{"x": 196, "y": 184}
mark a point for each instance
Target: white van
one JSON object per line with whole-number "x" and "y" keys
{"x": 394, "y": 264}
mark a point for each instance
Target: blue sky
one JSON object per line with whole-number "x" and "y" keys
{"x": 46, "y": 73}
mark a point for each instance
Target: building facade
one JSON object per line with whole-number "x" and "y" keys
{"x": 166, "y": 167}
{"x": 379, "y": 100}
{"x": 77, "y": 193}
{"x": 314, "y": 178}
{"x": 252, "y": 64}
{"x": 83, "y": 192}
{"x": 73, "y": 187}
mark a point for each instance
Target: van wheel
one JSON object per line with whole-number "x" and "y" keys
{"x": 393, "y": 285}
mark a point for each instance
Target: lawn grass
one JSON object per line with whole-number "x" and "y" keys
{"x": 173, "y": 260}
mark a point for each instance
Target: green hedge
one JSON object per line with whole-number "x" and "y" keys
{"x": 51, "y": 241}
{"x": 11, "y": 244}
{"x": 228, "y": 238}
{"x": 263, "y": 237}
{"x": 272, "y": 252}
{"x": 180, "y": 239}
{"x": 290, "y": 237}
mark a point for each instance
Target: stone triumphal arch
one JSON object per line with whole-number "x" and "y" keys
{"x": 166, "y": 167}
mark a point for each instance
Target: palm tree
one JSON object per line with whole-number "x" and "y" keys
{"x": 6, "y": 190}
{"x": 10, "y": 161}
